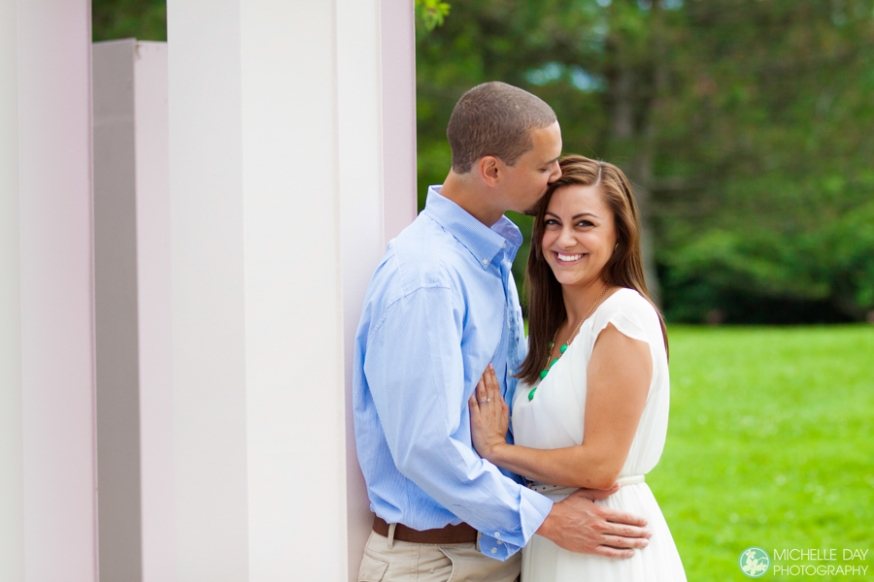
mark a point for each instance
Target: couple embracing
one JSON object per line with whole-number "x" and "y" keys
{"x": 458, "y": 483}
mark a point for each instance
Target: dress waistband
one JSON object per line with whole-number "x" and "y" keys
{"x": 547, "y": 489}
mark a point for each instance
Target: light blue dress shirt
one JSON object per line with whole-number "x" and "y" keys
{"x": 441, "y": 306}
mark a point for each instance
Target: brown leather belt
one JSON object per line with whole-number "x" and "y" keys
{"x": 451, "y": 534}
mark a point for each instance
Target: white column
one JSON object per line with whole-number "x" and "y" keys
{"x": 278, "y": 204}
{"x": 49, "y": 283}
{"x": 132, "y": 272}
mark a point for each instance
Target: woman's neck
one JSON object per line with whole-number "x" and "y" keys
{"x": 580, "y": 300}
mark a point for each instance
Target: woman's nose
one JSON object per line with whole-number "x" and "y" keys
{"x": 566, "y": 239}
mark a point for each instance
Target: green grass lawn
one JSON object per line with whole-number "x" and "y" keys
{"x": 770, "y": 444}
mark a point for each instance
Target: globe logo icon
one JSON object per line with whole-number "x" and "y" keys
{"x": 754, "y": 562}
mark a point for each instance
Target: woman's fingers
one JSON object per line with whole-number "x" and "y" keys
{"x": 492, "y": 383}
{"x": 481, "y": 388}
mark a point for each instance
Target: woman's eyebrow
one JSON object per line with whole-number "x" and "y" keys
{"x": 576, "y": 216}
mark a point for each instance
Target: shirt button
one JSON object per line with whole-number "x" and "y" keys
{"x": 500, "y": 542}
{"x": 494, "y": 550}
{"x": 503, "y": 246}
{"x": 497, "y": 534}
{"x": 485, "y": 262}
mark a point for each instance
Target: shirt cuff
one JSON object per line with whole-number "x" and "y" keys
{"x": 533, "y": 509}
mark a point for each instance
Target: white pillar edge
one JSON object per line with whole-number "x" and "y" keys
{"x": 11, "y": 405}
{"x": 398, "y": 76}
{"x": 361, "y": 120}
{"x": 154, "y": 305}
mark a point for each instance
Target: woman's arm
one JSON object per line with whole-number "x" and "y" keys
{"x": 618, "y": 379}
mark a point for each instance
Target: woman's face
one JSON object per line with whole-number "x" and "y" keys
{"x": 579, "y": 234}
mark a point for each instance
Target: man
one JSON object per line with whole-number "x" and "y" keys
{"x": 441, "y": 306}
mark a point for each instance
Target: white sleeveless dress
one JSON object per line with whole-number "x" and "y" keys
{"x": 555, "y": 418}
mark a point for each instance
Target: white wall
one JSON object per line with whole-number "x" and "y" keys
{"x": 54, "y": 285}
{"x": 280, "y": 204}
{"x": 292, "y": 148}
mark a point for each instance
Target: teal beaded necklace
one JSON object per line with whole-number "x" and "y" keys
{"x": 563, "y": 348}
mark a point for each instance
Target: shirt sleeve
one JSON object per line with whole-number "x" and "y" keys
{"x": 415, "y": 371}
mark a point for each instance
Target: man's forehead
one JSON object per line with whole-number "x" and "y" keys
{"x": 548, "y": 138}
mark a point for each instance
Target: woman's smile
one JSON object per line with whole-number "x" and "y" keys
{"x": 566, "y": 259}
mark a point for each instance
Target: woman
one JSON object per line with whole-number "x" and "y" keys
{"x": 592, "y": 407}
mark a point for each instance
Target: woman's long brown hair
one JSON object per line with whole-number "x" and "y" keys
{"x": 546, "y": 312}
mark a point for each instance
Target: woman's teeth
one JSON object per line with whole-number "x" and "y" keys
{"x": 568, "y": 258}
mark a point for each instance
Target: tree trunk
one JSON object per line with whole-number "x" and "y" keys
{"x": 634, "y": 91}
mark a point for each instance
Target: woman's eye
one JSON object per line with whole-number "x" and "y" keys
{"x": 585, "y": 223}
{"x": 550, "y": 222}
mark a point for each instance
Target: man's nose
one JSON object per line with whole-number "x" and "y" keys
{"x": 556, "y": 172}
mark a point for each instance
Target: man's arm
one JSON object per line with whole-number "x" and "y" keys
{"x": 415, "y": 373}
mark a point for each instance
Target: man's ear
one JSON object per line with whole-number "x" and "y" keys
{"x": 489, "y": 168}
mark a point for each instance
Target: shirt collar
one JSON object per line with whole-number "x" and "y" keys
{"x": 483, "y": 242}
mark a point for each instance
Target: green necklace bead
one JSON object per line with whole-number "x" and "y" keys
{"x": 531, "y": 394}
{"x": 552, "y": 363}
{"x": 543, "y": 374}
{"x": 563, "y": 348}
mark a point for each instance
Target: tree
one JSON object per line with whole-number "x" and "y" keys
{"x": 140, "y": 19}
{"x": 742, "y": 124}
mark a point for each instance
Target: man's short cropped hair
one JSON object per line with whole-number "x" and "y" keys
{"x": 495, "y": 119}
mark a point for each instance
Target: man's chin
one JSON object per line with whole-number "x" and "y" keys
{"x": 531, "y": 211}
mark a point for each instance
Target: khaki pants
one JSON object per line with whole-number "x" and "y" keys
{"x": 387, "y": 560}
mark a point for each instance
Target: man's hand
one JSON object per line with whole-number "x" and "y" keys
{"x": 579, "y": 525}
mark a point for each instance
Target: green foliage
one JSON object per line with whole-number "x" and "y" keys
{"x": 744, "y": 123}
{"x": 769, "y": 443}
{"x": 140, "y": 19}
{"x": 431, "y": 13}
